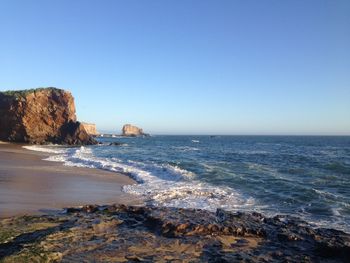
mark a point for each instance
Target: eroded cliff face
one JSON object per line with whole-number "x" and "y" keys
{"x": 90, "y": 128}
{"x": 40, "y": 116}
{"x": 130, "y": 130}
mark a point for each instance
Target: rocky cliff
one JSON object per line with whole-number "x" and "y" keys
{"x": 90, "y": 128}
{"x": 38, "y": 116}
{"x": 130, "y": 130}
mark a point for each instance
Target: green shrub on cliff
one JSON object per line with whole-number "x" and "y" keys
{"x": 23, "y": 93}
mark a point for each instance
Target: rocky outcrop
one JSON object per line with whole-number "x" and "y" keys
{"x": 118, "y": 233}
{"x": 39, "y": 116}
{"x": 74, "y": 133}
{"x": 133, "y": 131}
{"x": 90, "y": 128}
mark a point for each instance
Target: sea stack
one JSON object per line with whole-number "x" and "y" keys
{"x": 40, "y": 116}
{"x": 132, "y": 131}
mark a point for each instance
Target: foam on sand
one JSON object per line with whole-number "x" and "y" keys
{"x": 46, "y": 149}
{"x": 164, "y": 185}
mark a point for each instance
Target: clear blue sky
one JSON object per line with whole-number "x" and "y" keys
{"x": 187, "y": 67}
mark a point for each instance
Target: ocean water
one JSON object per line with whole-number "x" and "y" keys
{"x": 304, "y": 176}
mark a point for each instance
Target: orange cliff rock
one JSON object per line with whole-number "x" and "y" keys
{"x": 39, "y": 116}
{"x": 130, "y": 130}
{"x": 90, "y": 128}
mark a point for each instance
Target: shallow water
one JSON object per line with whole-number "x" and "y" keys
{"x": 303, "y": 176}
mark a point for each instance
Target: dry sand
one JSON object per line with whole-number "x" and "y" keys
{"x": 29, "y": 185}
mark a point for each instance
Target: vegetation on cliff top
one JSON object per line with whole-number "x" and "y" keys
{"x": 23, "y": 93}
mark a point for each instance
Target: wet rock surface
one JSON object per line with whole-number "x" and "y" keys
{"x": 117, "y": 144}
{"x": 120, "y": 233}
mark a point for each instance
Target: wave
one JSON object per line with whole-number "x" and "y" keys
{"x": 338, "y": 167}
{"x": 46, "y": 149}
{"x": 191, "y": 195}
{"x": 184, "y": 148}
{"x": 167, "y": 183}
{"x": 159, "y": 184}
{"x": 327, "y": 194}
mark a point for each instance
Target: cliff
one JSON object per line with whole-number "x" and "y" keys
{"x": 130, "y": 130}
{"x": 39, "y": 116}
{"x": 90, "y": 128}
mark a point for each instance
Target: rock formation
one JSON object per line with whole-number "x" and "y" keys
{"x": 133, "y": 131}
{"x": 39, "y": 116}
{"x": 90, "y": 128}
{"x": 118, "y": 233}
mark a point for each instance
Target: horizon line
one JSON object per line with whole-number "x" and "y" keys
{"x": 213, "y": 134}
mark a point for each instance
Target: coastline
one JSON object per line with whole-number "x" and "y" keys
{"x": 32, "y": 191}
{"x": 30, "y": 185}
{"x": 119, "y": 233}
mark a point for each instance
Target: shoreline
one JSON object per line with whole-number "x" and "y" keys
{"x": 124, "y": 229}
{"x": 119, "y": 233}
{"x": 30, "y": 185}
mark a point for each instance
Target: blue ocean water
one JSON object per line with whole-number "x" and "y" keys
{"x": 305, "y": 176}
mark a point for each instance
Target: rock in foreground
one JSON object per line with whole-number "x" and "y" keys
{"x": 40, "y": 116}
{"x": 148, "y": 234}
{"x": 132, "y": 131}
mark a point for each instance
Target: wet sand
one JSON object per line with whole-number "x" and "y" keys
{"x": 29, "y": 185}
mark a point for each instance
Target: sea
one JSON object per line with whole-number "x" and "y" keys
{"x": 302, "y": 176}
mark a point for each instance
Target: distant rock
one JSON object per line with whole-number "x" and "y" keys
{"x": 132, "y": 131}
{"x": 90, "y": 128}
{"x": 116, "y": 144}
{"x": 39, "y": 116}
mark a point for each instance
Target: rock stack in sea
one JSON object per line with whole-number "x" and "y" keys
{"x": 40, "y": 116}
{"x": 132, "y": 131}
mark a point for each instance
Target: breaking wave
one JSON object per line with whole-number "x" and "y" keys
{"x": 158, "y": 184}
{"x": 306, "y": 177}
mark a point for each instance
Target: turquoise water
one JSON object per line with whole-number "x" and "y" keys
{"x": 306, "y": 176}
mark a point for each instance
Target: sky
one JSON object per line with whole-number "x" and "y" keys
{"x": 187, "y": 66}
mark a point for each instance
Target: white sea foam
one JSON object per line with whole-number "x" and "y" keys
{"x": 326, "y": 194}
{"x": 190, "y": 195}
{"x": 159, "y": 184}
{"x": 185, "y": 148}
{"x": 47, "y": 149}
{"x": 336, "y": 211}
{"x": 337, "y": 222}
{"x": 170, "y": 185}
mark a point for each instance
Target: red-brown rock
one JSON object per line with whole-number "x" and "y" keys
{"x": 45, "y": 115}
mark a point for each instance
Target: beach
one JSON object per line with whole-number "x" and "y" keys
{"x": 103, "y": 223}
{"x": 30, "y": 185}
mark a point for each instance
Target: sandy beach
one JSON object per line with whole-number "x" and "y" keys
{"x": 116, "y": 231}
{"x": 30, "y": 185}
